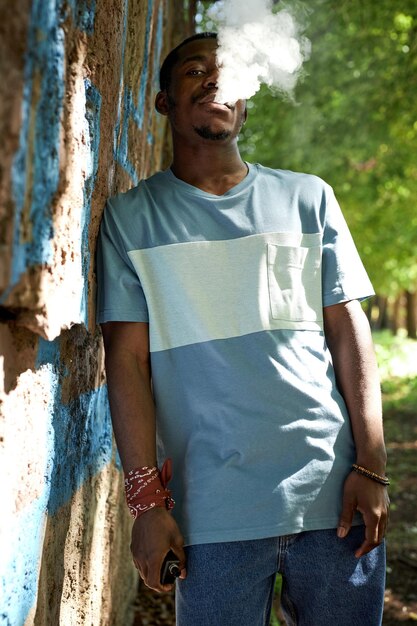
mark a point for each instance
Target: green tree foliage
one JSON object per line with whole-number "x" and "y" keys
{"x": 354, "y": 123}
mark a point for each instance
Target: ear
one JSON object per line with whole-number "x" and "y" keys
{"x": 245, "y": 114}
{"x": 161, "y": 103}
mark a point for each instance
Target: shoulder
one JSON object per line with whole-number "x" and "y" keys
{"x": 307, "y": 189}
{"x": 130, "y": 216}
{"x": 293, "y": 179}
{"x": 129, "y": 211}
{"x": 138, "y": 195}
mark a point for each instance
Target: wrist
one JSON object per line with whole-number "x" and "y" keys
{"x": 146, "y": 488}
{"x": 372, "y": 475}
{"x": 375, "y": 461}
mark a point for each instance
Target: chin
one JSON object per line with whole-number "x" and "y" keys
{"x": 214, "y": 135}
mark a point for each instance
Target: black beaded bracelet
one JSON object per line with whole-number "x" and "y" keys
{"x": 383, "y": 480}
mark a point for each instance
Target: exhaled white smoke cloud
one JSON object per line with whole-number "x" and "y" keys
{"x": 257, "y": 46}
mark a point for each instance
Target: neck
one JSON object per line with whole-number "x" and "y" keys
{"x": 209, "y": 166}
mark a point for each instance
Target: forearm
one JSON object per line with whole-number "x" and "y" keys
{"x": 350, "y": 343}
{"x": 155, "y": 531}
{"x": 132, "y": 408}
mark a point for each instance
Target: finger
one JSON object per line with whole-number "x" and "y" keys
{"x": 382, "y": 529}
{"x": 153, "y": 581}
{"x": 372, "y": 521}
{"x": 158, "y": 587}
{"x": 155, "y": 570}
{"x": 180, "y": 554}
{"x": 145, "y": 568}
{"x": 385, "y": 517}
{"x": 178, "y": 550}
{"x": 346, "y": 517}
{"x": 137, "y": 566}
{"x": 366, "y": 547}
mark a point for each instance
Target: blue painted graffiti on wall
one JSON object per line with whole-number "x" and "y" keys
{"x": 79, "y": 446}
{"x": 135, "y": 113}
{"x": 82, "y": 431}
{"x": 92, "y": 114}
{"x": 78, "y": 434}
{"x": 138, "y": 113}
{"x": 35, "y": 171}
{"x": 83, "y": 12}
{"x": 156, "y": 63}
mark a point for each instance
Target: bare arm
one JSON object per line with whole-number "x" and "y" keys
{"x": 349, "y": 339}
{"x": 133, "y": 416}
{"x": 130, "y": 395}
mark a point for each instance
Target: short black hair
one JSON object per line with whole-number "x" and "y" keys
{"x": 172, "y": 58}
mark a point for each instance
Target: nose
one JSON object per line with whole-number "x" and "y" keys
{"x": 211, "y": 78}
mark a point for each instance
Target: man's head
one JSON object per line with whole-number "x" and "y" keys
{"x": 172, "y": 58}
{"x": 188, "y": 80}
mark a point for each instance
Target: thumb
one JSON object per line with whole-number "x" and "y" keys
{"x": 178, "y": 550}
{"x": 346, "y": 517}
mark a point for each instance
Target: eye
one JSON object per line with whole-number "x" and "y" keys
{"x": 195, "y": 72}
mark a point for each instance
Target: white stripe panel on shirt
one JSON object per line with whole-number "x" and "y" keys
{"x": 205, "y": 290}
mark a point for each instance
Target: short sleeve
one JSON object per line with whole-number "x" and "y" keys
{"x": 344, "y": 276}
{"x": 120, "y": 295}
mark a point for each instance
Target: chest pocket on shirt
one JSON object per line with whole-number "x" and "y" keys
{"x": 294, "y": 282}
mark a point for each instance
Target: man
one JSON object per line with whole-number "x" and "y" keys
{"x": 228, "y": 298}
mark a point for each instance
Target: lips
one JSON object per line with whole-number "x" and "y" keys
{"x": 211, "y": 98}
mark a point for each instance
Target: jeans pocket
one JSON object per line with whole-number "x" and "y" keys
{"x": 294, "y": 283}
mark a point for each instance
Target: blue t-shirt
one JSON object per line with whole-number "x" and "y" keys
{"x": 233, "y": 288}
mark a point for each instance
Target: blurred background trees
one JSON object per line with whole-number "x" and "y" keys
{"x": 353, "y": 122}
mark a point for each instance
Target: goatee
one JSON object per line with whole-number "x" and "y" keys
{"x": 206, "y": 133}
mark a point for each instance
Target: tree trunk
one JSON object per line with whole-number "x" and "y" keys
{"x": 396, "y": 312}
{"x": 382, "y": 320}
{"x": 368, "y": 311}
{"x": 411, "y": 299}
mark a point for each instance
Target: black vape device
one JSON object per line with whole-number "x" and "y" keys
{"x": 170, "y": 569}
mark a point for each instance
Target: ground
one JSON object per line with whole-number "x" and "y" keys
{"x": 398, "y": 364}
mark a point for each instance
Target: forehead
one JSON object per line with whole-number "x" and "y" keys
{"x": 204, "y": 48}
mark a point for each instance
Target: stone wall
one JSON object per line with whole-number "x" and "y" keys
{"x": 77, "y": 122}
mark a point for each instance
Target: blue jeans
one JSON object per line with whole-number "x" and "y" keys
{"x": 324, "y": 584}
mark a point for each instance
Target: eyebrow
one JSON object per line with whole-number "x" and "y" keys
{"x": 196, "y": 57}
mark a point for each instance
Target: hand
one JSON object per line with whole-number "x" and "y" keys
{"x": 371, "y": 499}
{"x": 154, "y": 533}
